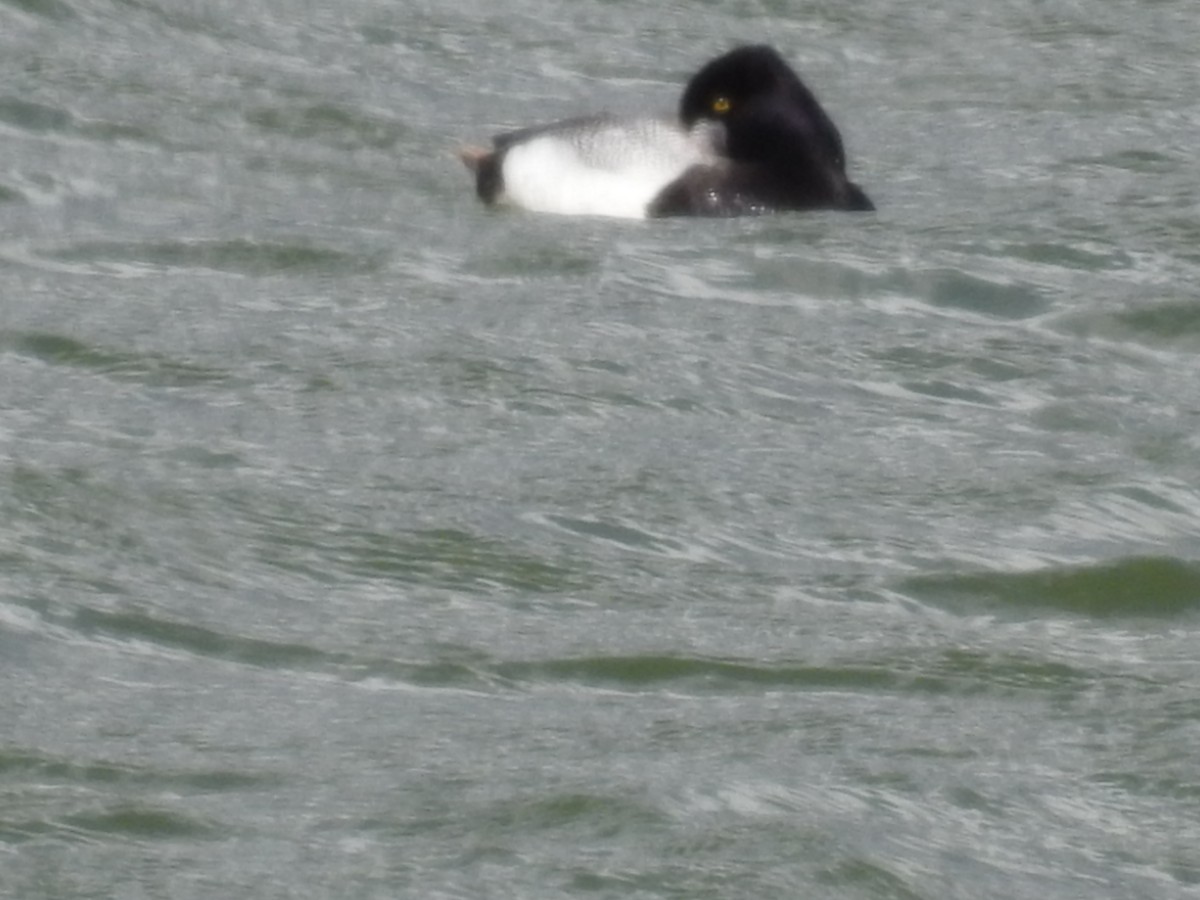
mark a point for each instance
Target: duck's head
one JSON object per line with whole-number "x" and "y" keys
{"x": 770, "y": 118}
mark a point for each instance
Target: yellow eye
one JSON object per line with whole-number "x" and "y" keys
{"x": 721, "y": 105}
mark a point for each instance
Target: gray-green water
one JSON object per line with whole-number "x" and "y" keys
{"x": 356, "y": 541}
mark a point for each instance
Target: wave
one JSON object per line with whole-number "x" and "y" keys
{"x": 1135, "y": 586}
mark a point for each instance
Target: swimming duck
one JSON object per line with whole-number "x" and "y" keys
{"x": 749, "y": 138}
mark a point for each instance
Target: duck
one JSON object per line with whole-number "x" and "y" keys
{"x": 749, "y": 138}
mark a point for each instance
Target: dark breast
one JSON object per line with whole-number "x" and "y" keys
{"x": 746, "y": 189}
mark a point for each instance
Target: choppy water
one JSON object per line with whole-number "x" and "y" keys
{"x": 360, "y": 542}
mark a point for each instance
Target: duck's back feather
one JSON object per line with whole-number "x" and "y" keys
{"x": 593, "y": 165}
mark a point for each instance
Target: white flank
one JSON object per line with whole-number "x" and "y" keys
{"x": 608, "y": 167}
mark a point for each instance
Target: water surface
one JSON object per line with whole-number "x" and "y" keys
{"x": 359, "y": 541}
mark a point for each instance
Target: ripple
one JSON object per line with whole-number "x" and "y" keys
{"x": 1135, "y": 514}
{"x": 47, "y": 9}
{"x": 41, "y": 119}
{"x": 627, "y": 536}
{"x": 119, "y": 822}
{"x": 1137, "y": 586}
{"x": 245, "y": 257}
{"x": 445, "y": 558}
{"x": 1171, "y": 320}
{"x": 138, "y": 821}
{"x": 1139, "y": 161}
{"x": 554, "y": 811}
{"x": 869, "y": 879}
{"x": 152, "y": 634}
{"x": 1170, "y": 324}
{"x": 11, "y": 195}
{"x": 34, "y": 117}
{"x": 1076, "y": 256}
{"x": 48, "y": 769}
{"x": 138, "y": 626}
{"x": 956, "y": 289}
{"x": 949, "y": 672}
{"x": 331, "y": 124}
{"x": 147, "y": 368}
{"x": 940, "y": 389}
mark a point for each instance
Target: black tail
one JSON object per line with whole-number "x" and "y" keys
{"x": 486, "y": 166}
